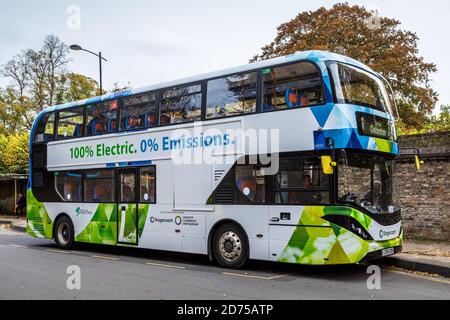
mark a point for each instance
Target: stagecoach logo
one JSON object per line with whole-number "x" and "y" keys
{"x": 79, "y": 211}
{"x": 387, "y": 233}
{"x": 178, "y": 220}
{"x": 159, "y": 220}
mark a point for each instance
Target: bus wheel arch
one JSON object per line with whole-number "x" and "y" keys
{"x": 63, "y": 231}
{"x": 232, "y": 225}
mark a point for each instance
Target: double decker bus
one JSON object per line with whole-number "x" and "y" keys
{"x": 289, "y": 159}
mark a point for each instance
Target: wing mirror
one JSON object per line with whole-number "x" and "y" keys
{"x": 419, "y": 162}
{"x": 327, "y": 164}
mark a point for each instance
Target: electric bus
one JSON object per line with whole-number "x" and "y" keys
{"x": 289, "y": 159}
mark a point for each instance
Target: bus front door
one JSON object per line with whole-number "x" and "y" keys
{"x": 127, "y": 216}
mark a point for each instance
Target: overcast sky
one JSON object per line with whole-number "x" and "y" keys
{"x": 148, "y": 42}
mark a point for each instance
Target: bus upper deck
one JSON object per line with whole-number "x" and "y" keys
{"x": 346, "y": 99}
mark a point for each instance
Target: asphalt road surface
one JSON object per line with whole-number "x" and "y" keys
{"x": 35, "y": 269}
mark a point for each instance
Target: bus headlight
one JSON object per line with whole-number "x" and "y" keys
{"x": 349, "y": 224}
{"x": 360, "y": 232}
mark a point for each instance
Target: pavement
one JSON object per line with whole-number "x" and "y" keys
{"x": 36, "y": 269}
{"x": 426, "y": 257}
{"x": 422, "y": 256}
{"x": 17, "y": 224}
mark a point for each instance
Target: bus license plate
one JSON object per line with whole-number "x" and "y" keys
{"x": 387, "y": 252}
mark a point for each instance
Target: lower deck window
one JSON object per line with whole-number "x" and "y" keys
{"x": 250, "y": 182}
{"x": 69, "y": 186}
{"x": 99, "y": 186}
{"x": 301, "y": 181}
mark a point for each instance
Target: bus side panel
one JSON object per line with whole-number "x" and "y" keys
{"x": 254, "y": 221}
{"x": 315, "y": 241}
{"x": 39, "y": 224}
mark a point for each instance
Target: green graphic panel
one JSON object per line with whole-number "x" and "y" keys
{"x": 127, "y": 223}
{"x": 102, "y": 229}
{"x": 142, "y": 214}
{"x": 39, "y": 223}
{"x": 317, "y": 241}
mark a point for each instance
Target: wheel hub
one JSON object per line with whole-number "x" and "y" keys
{"x": 63, "y": 233}
{"x": 230, "y": 246}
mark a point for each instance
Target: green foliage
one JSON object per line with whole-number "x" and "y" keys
{"x": 38, "y": 79}
{"x": 383, "y": 46}
{"x": 434, "y": 124}
{"x": 14, "y": 153}
{"x": 74, "y": 87}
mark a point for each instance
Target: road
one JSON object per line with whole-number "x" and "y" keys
{"x": 36, "y": 269}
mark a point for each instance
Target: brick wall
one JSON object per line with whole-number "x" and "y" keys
{"x": 424, "y": 195}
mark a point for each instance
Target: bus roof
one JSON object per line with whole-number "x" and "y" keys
{"x": 313, "y": 56}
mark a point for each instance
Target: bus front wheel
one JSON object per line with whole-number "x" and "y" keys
{"x": 230, "y": 246}
{"x": 64, "y": 233}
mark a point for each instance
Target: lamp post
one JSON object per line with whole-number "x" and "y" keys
{"x": 77, "y": 47}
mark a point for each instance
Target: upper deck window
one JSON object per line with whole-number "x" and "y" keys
{"x": 102, "y": 117}
{"x": 45, "y": 131}
{"x": 231, "y": 95}
{"x": 356, "y": 86}
{"x": 70, "y": 123}
{"x": 290, "y": 86}
{"x": 138, "y": 112}
{"x": 181, "y": 104}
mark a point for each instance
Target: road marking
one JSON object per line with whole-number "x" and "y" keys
{"x": 17, "y": 246}
{"x": 58, "y": 251}
{"x": 164, "y": 265}
{"x": 251, "y": 276}
{"x": 419, "y": 276}
{"x": 80, "y": 252}
{"x": 105, "y": 257}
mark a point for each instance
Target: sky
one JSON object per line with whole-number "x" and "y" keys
{"x": 147, "y": 42}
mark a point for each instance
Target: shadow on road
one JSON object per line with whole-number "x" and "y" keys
{"x": 202, "y": 263}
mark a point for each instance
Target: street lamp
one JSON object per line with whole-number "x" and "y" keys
{"x": 77, "y": 47}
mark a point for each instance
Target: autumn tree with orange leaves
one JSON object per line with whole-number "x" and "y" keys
{"x": 384, "y": 46}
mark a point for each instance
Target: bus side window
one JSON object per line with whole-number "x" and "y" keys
{"x": 148, "y": 185}
{"x": 45, "y": 131}
{"x": 250, "y": 183}
{"x": 99, "y": 186}
{"x": 101, "y": 117}
{"x": 68, "y": 186}
{"x": 301, "y": 181}
{"x": 138, "y": 112}
{"x": 232, "y": 95}
{"x": 292, "y": 85}
{"x": 70, "y": 123}
{"x": 181, "y": 104}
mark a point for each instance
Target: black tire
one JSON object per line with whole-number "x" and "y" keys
{"x": 64, "y": 233}
{"x": 230, "y": 246}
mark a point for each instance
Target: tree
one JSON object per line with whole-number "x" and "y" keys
{"x": 36, "y": 77}
{"x": 14, "y": 153}
{"x": 387, "y": 49}
{"x": 434, "y": 124}
{"x": 39, "y": 78}
{"x": 75, "y": 86}
{"x": 10, "y": 113}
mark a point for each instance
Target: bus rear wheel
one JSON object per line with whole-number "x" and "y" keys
{"x": 230, "y": 246}
{"x": 64, "y": 233}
